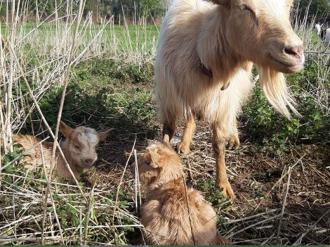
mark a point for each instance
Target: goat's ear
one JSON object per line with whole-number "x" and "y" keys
{"x": 65, "y": 129}
{"x": 103, "y": 135}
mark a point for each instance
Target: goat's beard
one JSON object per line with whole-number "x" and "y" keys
{"x": 277, "y": 92}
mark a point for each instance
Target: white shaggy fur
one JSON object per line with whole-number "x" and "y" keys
{"x": 318, "y": 28}
{"x": 204, "y": 61}
{"x": 185, "y": 36}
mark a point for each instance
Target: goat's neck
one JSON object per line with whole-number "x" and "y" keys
{"x": 163, "y": 189}
{"x": 213, "y": 48}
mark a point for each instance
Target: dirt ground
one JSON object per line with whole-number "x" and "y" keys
{"x": 281, "y": 199}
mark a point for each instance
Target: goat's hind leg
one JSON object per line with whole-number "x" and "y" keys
{"x": 188, "y": 133}
{"x": 234, "y": 141}
{"x": 219, "y": 146}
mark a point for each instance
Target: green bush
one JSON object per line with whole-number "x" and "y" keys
{"x": 269, "y": 128}
{"x": 104, "y": 94}
{"x": 116, "y": 70}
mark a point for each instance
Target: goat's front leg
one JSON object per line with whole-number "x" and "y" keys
{"x": 184, "y": 145}
{"x": 169, "y": 127}
{"x": 219, "y": 146}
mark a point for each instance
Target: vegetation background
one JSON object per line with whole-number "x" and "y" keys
{"x": 90, "y": 63}
{"x": 152, "y": 9}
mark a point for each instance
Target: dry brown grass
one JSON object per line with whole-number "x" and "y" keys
{"x": 282, "y": 199}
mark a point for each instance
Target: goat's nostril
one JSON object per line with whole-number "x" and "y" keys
{"x": 89, "y": 161}
{"x": 293, "y": 51}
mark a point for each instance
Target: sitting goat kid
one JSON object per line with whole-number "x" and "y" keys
{"x": 172, "y": 213}
{"x": 78, "y": 148}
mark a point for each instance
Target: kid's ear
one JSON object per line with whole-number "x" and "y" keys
{"x": 65, "y": 129}
{"x": 103, "y": 135}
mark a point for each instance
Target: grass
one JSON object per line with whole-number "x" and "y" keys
{"x": 280, "y": 173}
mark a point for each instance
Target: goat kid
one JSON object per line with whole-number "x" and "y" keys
{"x": 172, "y": 213}
{"x": 79, "y": 149}
{"x": 205, "y": 48}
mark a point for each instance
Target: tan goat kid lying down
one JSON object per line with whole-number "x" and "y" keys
{"x": 79, "y": 148}
{"x": 165, "y": 214}
{"x": 204, "y": 61}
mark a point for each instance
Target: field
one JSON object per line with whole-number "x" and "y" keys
{"x": 281, "y": 172}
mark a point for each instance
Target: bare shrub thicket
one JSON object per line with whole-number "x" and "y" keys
{"x": 37, "y": 56}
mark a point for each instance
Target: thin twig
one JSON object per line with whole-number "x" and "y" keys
{"x": 121, "y": 180}
{"x": 299, "y": 240}
{"x": 284, "y": 201}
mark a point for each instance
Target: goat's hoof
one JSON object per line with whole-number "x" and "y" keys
{"x": 183, "y": 148}
{"x": 227, "y": 190}
{"x": 234, "y": 142}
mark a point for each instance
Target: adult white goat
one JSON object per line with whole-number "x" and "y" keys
{"x": 318, "y": 28}
{"x": 205, "y": 48}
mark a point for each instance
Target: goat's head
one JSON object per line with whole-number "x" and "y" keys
{"x": 159, "y": 164}
{"x": 260, "y": 31}
{"x": 80, "y": 144}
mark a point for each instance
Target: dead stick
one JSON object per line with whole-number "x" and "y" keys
{"x": 284, "y": 202}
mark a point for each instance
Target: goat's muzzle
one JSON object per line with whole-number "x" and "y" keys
{"x": 288, "y": 58}
{"x": 89, "y": 162}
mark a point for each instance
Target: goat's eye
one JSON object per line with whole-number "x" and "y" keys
{"x": 77, "y": 147}
{"x": 247, "y": 8}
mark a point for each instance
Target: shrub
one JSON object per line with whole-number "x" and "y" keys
{"x": 265, "y": 126}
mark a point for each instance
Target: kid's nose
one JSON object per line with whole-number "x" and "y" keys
{"x": 89, "y": 162}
